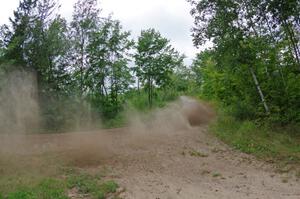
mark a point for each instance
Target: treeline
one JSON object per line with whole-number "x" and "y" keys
{"x": 89, "y": 66}
{"x": 253, "y": 68}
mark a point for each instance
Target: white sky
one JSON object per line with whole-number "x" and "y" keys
{"x": 170, "y": 17}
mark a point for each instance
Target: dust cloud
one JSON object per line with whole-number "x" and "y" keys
{"x": 184, "y": 113}
{"x": 19, "y": 114}
{"x": 19, "y": 110}
{"x": 142, "y": 131}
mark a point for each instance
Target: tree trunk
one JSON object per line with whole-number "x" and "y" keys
{"x": 150, "y": 92}
{"x": 262, "y": 97}
{"x": 82, "y": 44}
{"x": 138, "y": 85}
{"x": 293, "y": 41}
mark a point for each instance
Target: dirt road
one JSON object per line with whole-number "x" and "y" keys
{"x": 193, "y": 164}
{"x": 163, "y": 157}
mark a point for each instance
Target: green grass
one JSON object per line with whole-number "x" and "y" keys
{"x": 19, "y": 171}
{"x": 30, "y": 184}
{"x": 215, "y": 175}
{"x": 48, "y": 188}
{"x": 197, "y": 154}
{"x": 261, "y": 141}
{"x": 92, "y": 185}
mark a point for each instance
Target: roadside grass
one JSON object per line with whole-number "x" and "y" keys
{"x": 18, "y": 171}
{"x": 89, "y": 184}
{"x": 27, "y": 179}
{"x": 274, "y": 145}
{"x": 46, "y": 189}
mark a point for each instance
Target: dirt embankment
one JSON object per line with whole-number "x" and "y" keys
{"x": 166, "y": 154}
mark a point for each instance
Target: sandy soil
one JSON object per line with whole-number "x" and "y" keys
{"x": 169, "y": 167}
{"x": 163, "y": 157}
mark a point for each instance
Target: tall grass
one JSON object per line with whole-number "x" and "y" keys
{"x": 264, "y": 141}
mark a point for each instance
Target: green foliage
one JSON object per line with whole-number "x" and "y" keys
{"x": 195, "y": 153}
{"x": 215, "y": 175}
{"x": 22, "y": 194}
{"x": 47, "y": 189}
{"x": 119, "y": 120}
{"x": 83, "y": 182}
{"x": 138, "y": 99}
{"x": 254, "y": 64}
{"x": 262, "y": 141}
{"x": 235, "y": 88}
{"x": 84, "y": 68}
{"x": 109, "y": 75}
{"x": 21, "y": 23}
{"x": 63, "y": 113}
{"x": 56, "y": 188}
{"x": 88, "y": 184}
{"x": 155, "y": 61}
{"x": 109, "y": 187}
{"x": 84, "y": 24}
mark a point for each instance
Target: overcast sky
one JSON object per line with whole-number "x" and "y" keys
{"x": 170, "y": 17}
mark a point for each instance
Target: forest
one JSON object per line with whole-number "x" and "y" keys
{"x": 91, "y": 67}
{"x": 145, "y": 123}
{"x": 255, "y": 63}
{"x": 89, "y": 72}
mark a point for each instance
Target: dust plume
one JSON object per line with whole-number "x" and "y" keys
{"x": 24, "y": 119}
{"x": 143, "y": 130}
{"x": 19, "y": 110}
{"x": 95, "y": 148}
{"x": 184, "y": 113}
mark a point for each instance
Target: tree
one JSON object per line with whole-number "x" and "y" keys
{"x": 109, "y": 74}
{"x": 256, "y": 53}
{"x": 3, "y": 35}
{"x": 57, "y": 47}
{"x": 85, "y": 22}
{"x": 18, "y": 36}
{"x": 36, "y": 41}
{"x": 156, "y": 60}
{"x": 30, "y": 43}
{"x": 47, "y": 44}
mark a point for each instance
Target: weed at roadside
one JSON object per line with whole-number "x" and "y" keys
{"x": 259, "y": 141}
